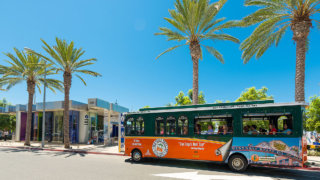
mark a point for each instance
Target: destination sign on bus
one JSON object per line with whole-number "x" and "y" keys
{"x": 235, "y": 106}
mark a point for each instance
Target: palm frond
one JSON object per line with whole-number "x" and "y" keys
{"x": 210, "y": 25}
{"x": 224, "y": 37}
{"x": 209, "y": 14}
{"x": 83, "y": 81}
{"x": 226, "y": 25}
{"x": 260, "y": 43}
{"x": 92, "y": 73}
{"x": 267, "y": 3}
{"x": 195, "y": 21}
{"x": 38, "y": 87}
{"x": 171, "y": 35}
{"x": 258, "y": 16}
{"x": 10, "y": 81}
{"x": 24, "y": 67}
{"x": 52, "y": 84}
{"x": 215, "y": 53}
{"x": 82, "y": 63}
{"x": 170, "y": 49}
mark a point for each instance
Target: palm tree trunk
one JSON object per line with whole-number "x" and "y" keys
{"x": 300, "y": 70}
{"x": 30, "y": 88}
{"x": 195, "y": 52}
{"x": 67, "y": 84}
{"x": 300, "y": 35}
{"x": 195, "y": 85}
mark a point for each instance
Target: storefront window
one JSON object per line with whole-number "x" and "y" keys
{"x": 58, "y": 127}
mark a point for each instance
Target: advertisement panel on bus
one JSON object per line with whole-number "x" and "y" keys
{"x": 269, "y": 151}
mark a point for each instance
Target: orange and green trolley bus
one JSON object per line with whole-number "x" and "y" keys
{"x": 238, "y": 133}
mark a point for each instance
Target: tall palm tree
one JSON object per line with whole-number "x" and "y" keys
{"x": 194, "y": 22}
{"x": 67, "y": 60}
{"x": 275, "y": 17}
{"x": 29, "y": 68}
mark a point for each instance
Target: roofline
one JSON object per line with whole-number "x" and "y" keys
{"x": 217, "y": 107}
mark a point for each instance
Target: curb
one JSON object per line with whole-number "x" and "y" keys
{"x": 64, "y": 150}
{"x": 294, "y": 168}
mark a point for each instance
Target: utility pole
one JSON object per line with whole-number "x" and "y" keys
{"x": 44, "y": 105}
{"x": 109, "y": 124}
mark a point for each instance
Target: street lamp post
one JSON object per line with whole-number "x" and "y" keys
{"x": 44, "y": 104}
{"x": 4, "y": 101}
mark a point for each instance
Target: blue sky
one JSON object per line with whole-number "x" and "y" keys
{"x": 120, "y": 34}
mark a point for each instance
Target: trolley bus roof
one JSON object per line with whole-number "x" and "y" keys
{"x": 217, "y": 106}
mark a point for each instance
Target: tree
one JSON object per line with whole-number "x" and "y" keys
{"x": 4, "y": 102}
{"x": 313, "y": 115}
{"x": 252, "y": 94}
{"x": 7, "y": 122}
{"x": 181, "y": 99}
{"x": 66, "y": 59}
{"x": 169, "y": 104}
{"x": 31, "y": 69}
{"x": 200, "y": 97}
{"x": 195, "y": 21}
{"x": 274, "y": 18}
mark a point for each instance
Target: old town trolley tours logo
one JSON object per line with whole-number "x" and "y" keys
{"x": 160, "y": 147}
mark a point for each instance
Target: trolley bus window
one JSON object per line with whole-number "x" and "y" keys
{"x": 220, "y": 125}
{"x": 140, "y": 126}
{"x": 159, "y": 126}
{"x": 171, "y": 125}
{"x": 129, "y": 126}
{"x": 267, "y": 124}
{"x": 285, "y": 125}
{"x": 182, "y": 126}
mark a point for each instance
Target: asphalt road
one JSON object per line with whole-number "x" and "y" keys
{"x": 26, "y": 164}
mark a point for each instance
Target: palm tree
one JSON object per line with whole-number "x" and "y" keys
{"x": 67, "y": 60}
{"x": 29, "y": 68}
{"x": 195, "y": 21}
{"x": 274, "y": 18}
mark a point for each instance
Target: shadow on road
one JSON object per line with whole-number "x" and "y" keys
{"x": 276, "y": 173}
{"x": 40, "y": 152}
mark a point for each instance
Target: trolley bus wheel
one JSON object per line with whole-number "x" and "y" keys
{"x": 238, "y": 163}
{"x": 136, "y": 155}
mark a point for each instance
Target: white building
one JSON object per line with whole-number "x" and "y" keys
{"x": 95, "y": 122}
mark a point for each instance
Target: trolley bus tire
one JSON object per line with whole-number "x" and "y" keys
{"x": 136, "y": 155}
{"x": 238, "y": 163}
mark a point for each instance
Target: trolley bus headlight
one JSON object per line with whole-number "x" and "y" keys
{"x": 218, "y": 152}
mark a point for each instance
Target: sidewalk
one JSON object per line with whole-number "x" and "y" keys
{"x": 314, "y": 160}
{"x": 76, "y": 148}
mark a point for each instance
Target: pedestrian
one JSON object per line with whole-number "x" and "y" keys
{"x": 6, "y": 133}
